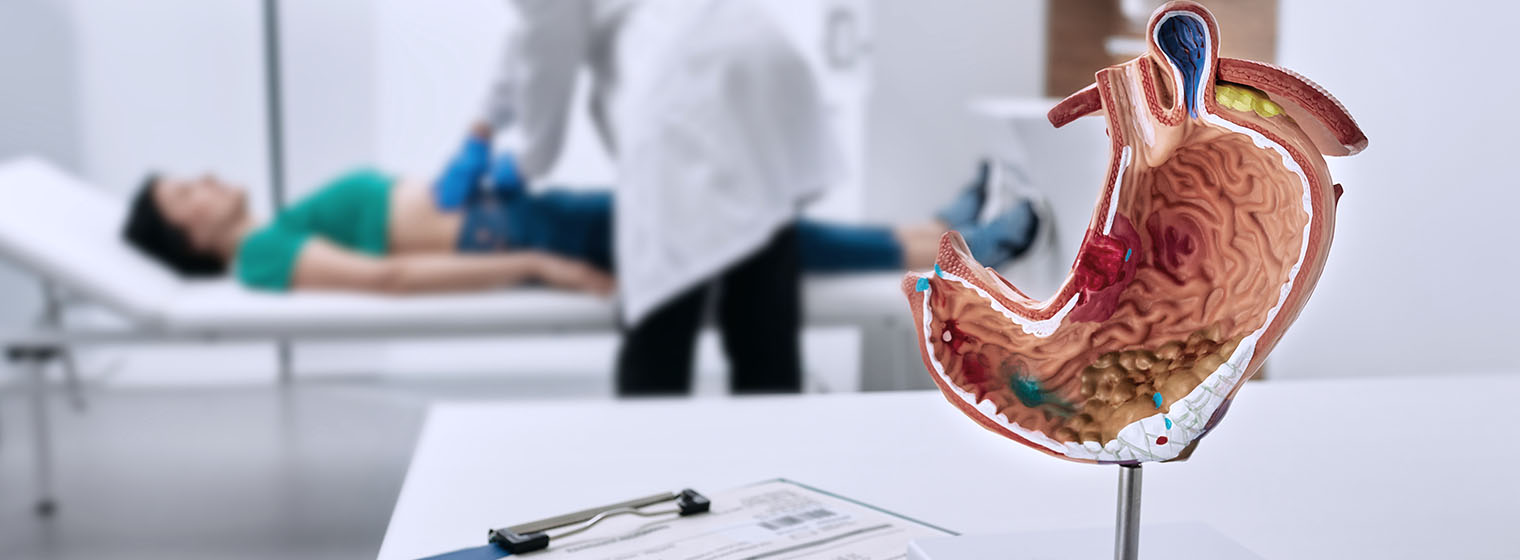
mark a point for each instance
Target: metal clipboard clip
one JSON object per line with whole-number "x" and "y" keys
{"x": 534, "y": 535}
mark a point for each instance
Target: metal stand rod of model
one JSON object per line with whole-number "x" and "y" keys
{"x": 1127, "y": 526}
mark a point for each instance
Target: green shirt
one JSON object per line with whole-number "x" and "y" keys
{"x": 351, "y": 211}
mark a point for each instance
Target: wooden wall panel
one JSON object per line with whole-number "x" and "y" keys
{"x": 1077, "y": 32}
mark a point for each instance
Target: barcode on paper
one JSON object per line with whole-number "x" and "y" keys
{"x": 796, "y": 519}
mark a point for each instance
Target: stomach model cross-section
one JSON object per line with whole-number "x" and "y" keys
{"x": 1209, "y": 234}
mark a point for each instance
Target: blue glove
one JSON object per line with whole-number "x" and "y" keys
{"x": 462, "y": 177}
{"x": 506, "y": 180}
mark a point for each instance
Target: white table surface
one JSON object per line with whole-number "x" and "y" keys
{"x": 1349, "y": 468}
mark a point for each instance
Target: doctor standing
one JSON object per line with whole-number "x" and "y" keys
{"x": 719, "y": 135}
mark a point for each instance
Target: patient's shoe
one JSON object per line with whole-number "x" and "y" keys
{"x": 996, "y": 189}
{"x": 966, "y": 208}
{"x": 1004, "y": 186}
{"x": 1005, "y": 236}
{"x": 1039, "y": 266}
{"x": 1013, "y": 219}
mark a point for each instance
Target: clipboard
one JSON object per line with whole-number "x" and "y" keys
{"x": 777, "y": 519}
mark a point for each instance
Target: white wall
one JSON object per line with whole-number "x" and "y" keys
{"x": 930, "y": 62}
{"x": 328, "y": 69}
{"x": 170, "y": 84}
{"x": 38, "y": 113}
{"x": 178, "y": 85}
{"x": 433, "y": 63}
{"x": 1419, "y": 277}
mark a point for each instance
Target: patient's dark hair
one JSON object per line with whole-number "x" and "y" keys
{"x": 151, "y": 232}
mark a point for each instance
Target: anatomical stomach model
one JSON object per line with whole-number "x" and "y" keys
{"x": 1210, "y": 232}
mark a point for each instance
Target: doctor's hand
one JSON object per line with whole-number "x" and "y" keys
{"x": 464, "y": 172}
{"x": 506, "y": 180}
{"x": 567, "y": 274}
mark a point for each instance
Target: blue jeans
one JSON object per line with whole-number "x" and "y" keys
{"x": 578, "y": 225}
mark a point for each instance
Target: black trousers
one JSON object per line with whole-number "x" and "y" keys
{"x": 759, "y": 317}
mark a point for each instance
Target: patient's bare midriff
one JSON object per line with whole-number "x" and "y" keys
{"x": 416, "y": 224}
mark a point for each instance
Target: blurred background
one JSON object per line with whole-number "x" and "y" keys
{"x": 917, "y": 94}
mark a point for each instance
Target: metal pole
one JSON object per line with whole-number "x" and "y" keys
{"x": 275, "y": 128}
{"x": 1127, "y": 530}
{"x": 275, "y": 117}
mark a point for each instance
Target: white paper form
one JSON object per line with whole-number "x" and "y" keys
{"x": 776, "y": 520}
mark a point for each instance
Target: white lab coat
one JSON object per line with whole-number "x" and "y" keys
{"x": 715, "y": 121}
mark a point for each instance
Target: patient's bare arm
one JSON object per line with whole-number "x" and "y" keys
{"x": 325, "y": 266}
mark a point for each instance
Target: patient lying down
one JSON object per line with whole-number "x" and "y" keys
{"x": 367, "y": 231}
